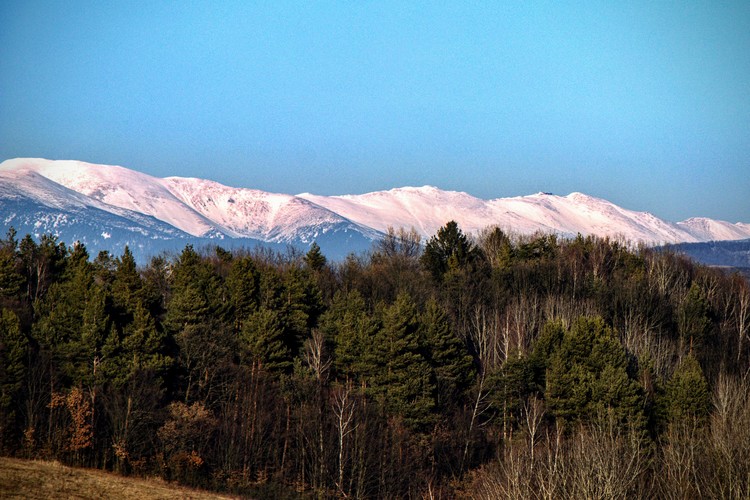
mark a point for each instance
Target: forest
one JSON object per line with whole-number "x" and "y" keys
{"x": 487, "y": 366}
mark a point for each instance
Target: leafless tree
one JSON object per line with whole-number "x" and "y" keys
{"x": 316, "y": 358}
{"x": 343, "y": 405}
{"x": 533, "y": 413}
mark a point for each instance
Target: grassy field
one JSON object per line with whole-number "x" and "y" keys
{"x": 47, "y": 480}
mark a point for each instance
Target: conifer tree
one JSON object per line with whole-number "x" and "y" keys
{"x": 498, "y": 248}
{"x": 262, "y": 338}
{"x": 588, "y": 374}
{"x": 694, "y": 319}
{"x": 402, "y": 377}
{"x": 127, "y": 286}
{"x": 686, "y": 395}
{"x": 448, "y": 356}
{"x": 243, "y": 284}
{"x": 351, "y": 329}
{"x": 314, "y": 258}
{"x": 13, "y": 355}
{"x": 449, "y": 249}
{"x": 11, "y": 279}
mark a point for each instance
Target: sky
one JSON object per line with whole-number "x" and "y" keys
{"x": 646, "y": 104}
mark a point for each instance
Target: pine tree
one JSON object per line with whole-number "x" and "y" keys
{"x": 588, "y": 374}
{"x": 127, "y": 286}
{"x": 448, "y": 356}
{"x": 11, "y": 279}
{"x": 402, "y": 378}
{"x": 262, "y": 338}
{"x": 448, "y": 250}
{"x": 694, "y": 319}
{"x": 13, "y": 355}
{"x": 351, "y": 330}
{"x": 243, "y": 284}
{"x": 314, "y": 258}
{"x": 686, "y": 394}
{"x": 498, "y": 248}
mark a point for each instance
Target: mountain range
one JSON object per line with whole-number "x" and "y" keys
{"x": 107, "y": 207}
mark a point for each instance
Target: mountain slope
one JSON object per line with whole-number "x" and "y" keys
{"x": 109, "y": 205}
{"x": 427, "y": 208}
{"x": 252, "y": 213}
{"x": 35, "y": 205}
{"x": 117, "y": 187}
{"x": 704, "y": 229}
{"x": 40, "y": 196}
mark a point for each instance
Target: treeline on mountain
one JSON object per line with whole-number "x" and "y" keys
{"x": 501, "y": 366}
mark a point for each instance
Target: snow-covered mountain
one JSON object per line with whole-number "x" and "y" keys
{"x": 189, "y": 210}
{"x": 428, "y": 208}
{"x": 110, "y": 206}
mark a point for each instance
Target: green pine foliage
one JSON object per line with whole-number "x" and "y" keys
{"x": 349, "y": 326}
{"x": 588, "y": 374}
{"x": 314, "y": 259}
{"x": 448, "y": 356}
{"x": 14, "y": 349}
{"x": 401, "y": 375}
{"x": 11, "y": 279}
{"x": 262, "y": 338}
{"x": 687, "y": 395}
{"x": 243, "y": 284}
{"x": 694, "y": 318}
{"x": 449, "y": 250}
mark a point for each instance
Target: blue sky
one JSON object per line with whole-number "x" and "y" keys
{"x": 646, "y": 104}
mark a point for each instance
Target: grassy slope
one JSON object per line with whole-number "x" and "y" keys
{"x": 46, "y": 480}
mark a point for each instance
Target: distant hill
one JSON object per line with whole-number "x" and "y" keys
{"x": 718, "y": 253}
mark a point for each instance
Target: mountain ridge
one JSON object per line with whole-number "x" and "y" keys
{"x": 194, "y": 209}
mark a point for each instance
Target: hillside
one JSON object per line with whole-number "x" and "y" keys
{"x": 36, "y": 479}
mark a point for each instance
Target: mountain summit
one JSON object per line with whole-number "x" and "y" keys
{"x": 107, "y": 207}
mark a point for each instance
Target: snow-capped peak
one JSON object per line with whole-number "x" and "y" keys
{"x": 118, "y": 187}
{"x": 204, "y": 208}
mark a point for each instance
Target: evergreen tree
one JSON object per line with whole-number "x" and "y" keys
{"x": 262, "y": 338}
{"x": 85, "y": 353}
{"x": 314, "y": 258}
{"x": 351, "y": 329}
{"x": 243, "y": 284}
{"x": 60, "y": 316}
{"x": 448, "y": 356}
{"x": 402, "y": 377}
{"x": 694, "y": 319}
{"x": 11, "y": 279}
{"x": 686, "y": 395}
{"x": 449, "y": 249}
{"x": 498, "y": 248}
{"x": 588, "y": 374}
{"x": 42, "y": 263}
{"x": 127, "y": 286}
{"x": 13, "y": 355}
{"x": 545, "y": 346}
{"x": 300, "y": 307}
{"x": 193, "y": 275}
{"x": 198, "y": 320}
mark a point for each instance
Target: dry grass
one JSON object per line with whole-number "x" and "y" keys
{"x": 47, "y": 480}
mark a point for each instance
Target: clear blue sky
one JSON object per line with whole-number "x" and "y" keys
{"x": 646, "y": 104}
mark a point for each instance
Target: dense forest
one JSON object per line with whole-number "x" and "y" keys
{"x": 500, "y": 366}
